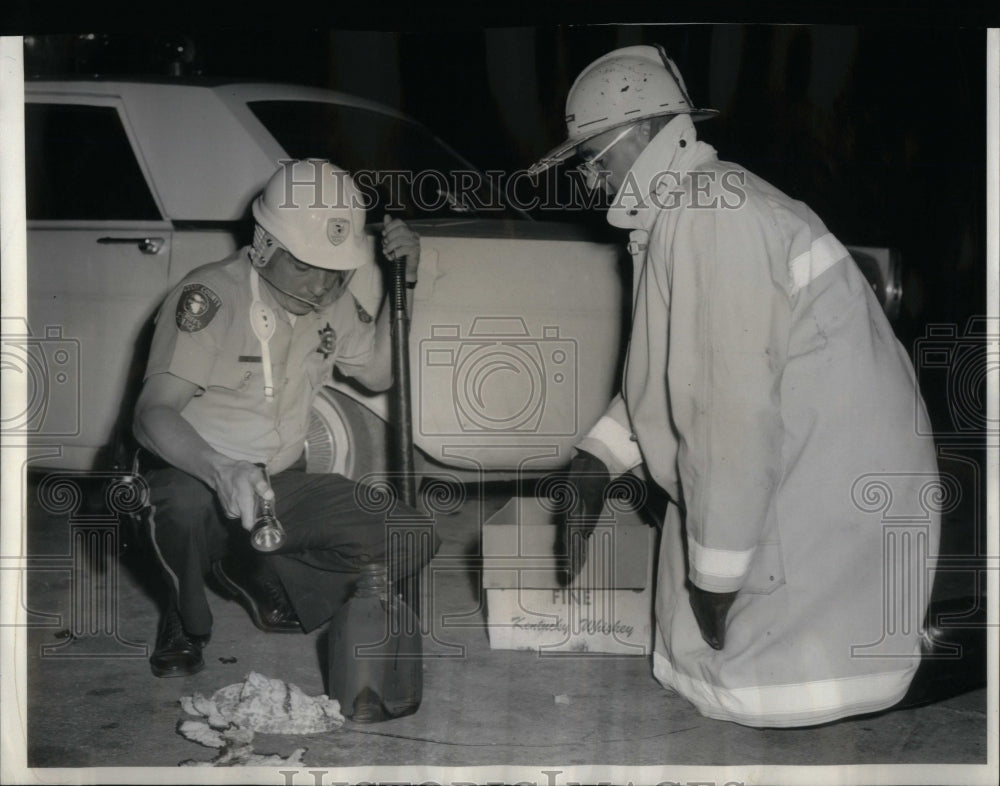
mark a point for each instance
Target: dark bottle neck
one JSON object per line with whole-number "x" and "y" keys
{"x": 373, "y": 582}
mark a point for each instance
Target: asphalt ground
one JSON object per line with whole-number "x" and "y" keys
{"x": 92, "y": 701}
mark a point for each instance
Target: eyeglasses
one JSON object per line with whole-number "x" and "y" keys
{"x": 589, "y": 168}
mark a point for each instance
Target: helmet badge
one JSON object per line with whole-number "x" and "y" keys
{"x": 337, "y": 230}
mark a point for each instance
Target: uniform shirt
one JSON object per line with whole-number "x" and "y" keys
{"x": 204, "y": 335}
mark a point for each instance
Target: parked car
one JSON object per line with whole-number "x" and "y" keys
{"x": 517, "y": 330}
{"x": 131, "y": 184}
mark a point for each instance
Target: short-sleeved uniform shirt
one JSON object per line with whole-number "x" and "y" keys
{"x": 204, "y": 335}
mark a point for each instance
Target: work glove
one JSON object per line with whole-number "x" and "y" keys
{"x": 589, "y": 478}
{"x": 710, "y": 610}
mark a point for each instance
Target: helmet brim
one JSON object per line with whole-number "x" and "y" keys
{"x": 558, "y": 154}
{"x": 351, "y": 255}
{"x": 565, "y": 150}
{"x": 347, "y": 257}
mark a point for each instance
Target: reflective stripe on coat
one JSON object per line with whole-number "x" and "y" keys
{"x": 786, "y": 432}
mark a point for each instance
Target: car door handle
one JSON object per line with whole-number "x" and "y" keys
{"x": 147, "y": 245}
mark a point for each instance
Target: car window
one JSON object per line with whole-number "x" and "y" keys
{"x": 398, "y": 164}
{"x": 80, "y": 165}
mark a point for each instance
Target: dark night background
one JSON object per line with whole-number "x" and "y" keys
{"x": 881, "y": 129}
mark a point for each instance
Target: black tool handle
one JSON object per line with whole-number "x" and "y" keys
{"x": 402, "y": 401}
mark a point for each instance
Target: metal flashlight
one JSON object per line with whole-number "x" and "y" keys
{"x": 267, "y": 533}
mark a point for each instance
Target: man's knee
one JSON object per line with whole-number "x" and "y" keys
{"x": 179, "y": 501}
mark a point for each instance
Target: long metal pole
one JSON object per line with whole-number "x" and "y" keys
{"x": 403, "y": 406}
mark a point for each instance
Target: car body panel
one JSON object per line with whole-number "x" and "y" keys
{"x": 70, "y": 295}
{"x": 513, "y": 356}
{"x": 73, "y": 266}
{"x": 517, "y": 332}
{"x": 505, "y": 299}
{"x": 205, "y": 153}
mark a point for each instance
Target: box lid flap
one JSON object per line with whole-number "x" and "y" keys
{"x": 519, "y": 543}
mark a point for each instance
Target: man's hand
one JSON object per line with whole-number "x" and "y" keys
{"x": 238, "y": 484}
{"x": 710, "y": 610}
{"x": 589, "y": 477}
{"x": 399, "y": 241}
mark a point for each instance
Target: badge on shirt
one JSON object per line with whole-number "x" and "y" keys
{"x": 327, "y": 341}
{"x": 363, "y": 315}
{"x": 196, "y": 307}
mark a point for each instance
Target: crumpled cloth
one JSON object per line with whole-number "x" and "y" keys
{"x": 229, "y": 720}
{"x": 269, "y": 706}
{"x": 234, "y": 745}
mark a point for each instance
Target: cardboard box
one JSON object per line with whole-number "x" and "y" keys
{"x": 606, "y": 609}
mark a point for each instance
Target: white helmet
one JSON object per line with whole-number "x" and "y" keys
{"x": 317, "y": 213}
{"x": 619, "y": 88}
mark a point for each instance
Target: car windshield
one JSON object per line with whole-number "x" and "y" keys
{"x": 398, "y": 165}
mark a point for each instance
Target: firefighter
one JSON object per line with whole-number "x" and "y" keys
{"x": 765, "y": 393}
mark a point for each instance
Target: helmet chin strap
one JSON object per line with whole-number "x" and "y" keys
{"x": 311, "y": 303}
{"x": 263, "y": 324}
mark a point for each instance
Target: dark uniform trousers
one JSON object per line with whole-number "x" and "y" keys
{"x": 334, "y": 528}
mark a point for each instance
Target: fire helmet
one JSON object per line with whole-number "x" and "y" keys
{"x": 623, "y": 86}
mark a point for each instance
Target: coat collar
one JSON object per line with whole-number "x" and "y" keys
{"x": 675, "y": 149}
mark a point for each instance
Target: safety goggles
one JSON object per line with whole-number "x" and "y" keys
{"x": 590, "y": 168}
{"x": 338, "y": 281}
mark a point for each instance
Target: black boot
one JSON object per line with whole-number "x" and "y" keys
{"x": 953, "y": 652}
{"x": 254, "y": 585}
{"x": 177, "y": 653}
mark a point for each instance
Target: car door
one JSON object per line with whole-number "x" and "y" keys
{"x": 98, "y": 258}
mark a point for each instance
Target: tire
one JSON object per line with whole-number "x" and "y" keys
{"x": 344, "y": 437}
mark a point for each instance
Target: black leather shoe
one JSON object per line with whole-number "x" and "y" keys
{"x": 177, "y": 653}
{"x": 259, "y": 591}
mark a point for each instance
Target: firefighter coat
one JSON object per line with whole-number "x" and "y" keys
{"x": 765, "y": 391}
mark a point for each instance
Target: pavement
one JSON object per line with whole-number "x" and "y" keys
{"x": 92, "y": 701}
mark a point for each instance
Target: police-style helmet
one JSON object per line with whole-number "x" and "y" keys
{"x": 315, "y": 210}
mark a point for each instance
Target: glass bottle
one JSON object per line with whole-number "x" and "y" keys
{"x": 375, "y": 663}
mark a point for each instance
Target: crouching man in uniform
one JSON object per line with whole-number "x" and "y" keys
{"x": 240, "y": 350}
{"x": 763, "y": 382}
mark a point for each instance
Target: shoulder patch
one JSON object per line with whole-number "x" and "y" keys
{"x": 363, "y": 315}
{"x": 196, "y": 307}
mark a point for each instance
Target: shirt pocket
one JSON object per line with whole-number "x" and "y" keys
{"x": 237, "y": 373}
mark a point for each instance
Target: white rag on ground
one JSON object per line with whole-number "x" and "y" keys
{"x": 229, "y": 720}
